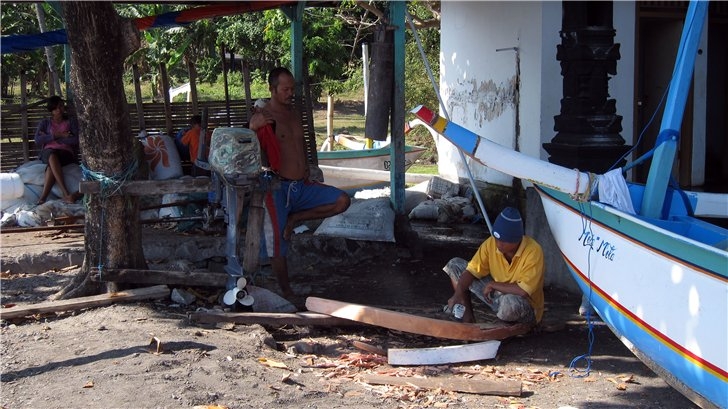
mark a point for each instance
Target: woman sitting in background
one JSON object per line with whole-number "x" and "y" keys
{"x": 57, "y": 139}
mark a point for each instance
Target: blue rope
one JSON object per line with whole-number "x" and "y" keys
{"x": 575, "y": 372}
{"x": 644, "y": 129}
{"x": 109, "y": 186}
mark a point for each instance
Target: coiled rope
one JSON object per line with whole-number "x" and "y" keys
{"x": 109, "y": 185}
{"x": 591, "y": 187}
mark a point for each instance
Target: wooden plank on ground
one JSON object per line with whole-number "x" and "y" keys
{"x": 191, "y": 278}
{"x": 137, "y": 294}
{"x": 412, "y": 323}
{"x": 268, "y": 318}
{"x": 369, "y": 348}
{"x": 477, "y": 386}
{"x": 443, "y": 355}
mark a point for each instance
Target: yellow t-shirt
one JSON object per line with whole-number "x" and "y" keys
{"x": 526, "y": 269}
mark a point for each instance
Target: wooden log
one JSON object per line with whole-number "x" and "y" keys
{"x": 412, "y": 323}
{"x": 155, "y": 187}
{"x": 64, "y": 227}
{"x": 190, "y": 278}
{"x": 477, "y": 386}
{"x": 138, "y": 294}
{"x": 269, "y": 318}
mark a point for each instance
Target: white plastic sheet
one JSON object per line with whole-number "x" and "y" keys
{"x": 613, "y": 191}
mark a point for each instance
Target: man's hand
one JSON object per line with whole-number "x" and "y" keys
{"x": 260, "y": 119}
{"x": 488, "y": 292}
{"x": 505, "y": 288}
{"x": 455, "y": 299}
{"x": 464, "y": 300}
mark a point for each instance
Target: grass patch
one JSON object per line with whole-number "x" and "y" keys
{"x": 425, "y": 169}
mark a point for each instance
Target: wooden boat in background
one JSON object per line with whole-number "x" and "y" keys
{"x": 658, "y": 276}
{"x": 358, "y": 168}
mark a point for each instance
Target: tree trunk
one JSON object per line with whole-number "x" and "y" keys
{"x": 100, "y": 40}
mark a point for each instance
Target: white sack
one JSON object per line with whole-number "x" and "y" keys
{"x": 162, "y": 157}
{"x": 11, "y": 186}
{"x": 370, "y": 219}
{"x": 32, "y": 173}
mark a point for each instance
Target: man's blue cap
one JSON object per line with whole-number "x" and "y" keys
{"x": 508, "y": 227}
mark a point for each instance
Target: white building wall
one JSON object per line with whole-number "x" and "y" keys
{"x": 478, "y": 83}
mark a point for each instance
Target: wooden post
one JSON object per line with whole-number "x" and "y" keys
{"x": 330, "y": 120}
{"x": 138, "y": 96}
{"x": 253, "y": 231}
{"x": 167, "y": 103}
{"x": 192, "y": 96}
{"x": 397, "y": 14}
{"x": 246, "y": 85}
{"x": 24, "y": 117}
{"x": 225, "y": 81}
{"x": 379, "y": 100}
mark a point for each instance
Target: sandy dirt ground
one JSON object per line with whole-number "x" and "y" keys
{"x": 151, "y": 355}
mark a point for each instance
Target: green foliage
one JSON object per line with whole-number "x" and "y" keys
{"x": 332, "y": 52}
{"x": 21, "y": 18}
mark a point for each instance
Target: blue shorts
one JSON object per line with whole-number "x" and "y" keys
{"x": 291, "y": 196}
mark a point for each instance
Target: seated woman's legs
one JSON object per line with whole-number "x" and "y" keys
{"x": 54, "y": 175}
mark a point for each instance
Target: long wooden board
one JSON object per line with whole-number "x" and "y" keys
{"x": 479, "y": 386}
{"x": 155, "y": 292}
{"x": 267, "y": 318}
{"x": 412, "y": 323}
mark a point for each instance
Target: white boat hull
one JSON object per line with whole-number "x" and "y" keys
{"x": 667, "y": 300}
{"x": 339, "y": 167}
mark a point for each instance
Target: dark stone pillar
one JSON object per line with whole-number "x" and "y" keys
{"x": 588, "y": 127}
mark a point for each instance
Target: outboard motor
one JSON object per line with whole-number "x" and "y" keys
{"x": 236, "y": 164}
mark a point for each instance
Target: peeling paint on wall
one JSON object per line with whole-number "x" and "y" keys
{"x": 482, "y": 101}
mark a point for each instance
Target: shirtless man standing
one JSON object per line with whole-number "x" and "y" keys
{"x": 296, "y": 198}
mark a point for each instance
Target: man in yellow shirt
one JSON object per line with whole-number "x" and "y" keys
{"x": 506, "y": 273}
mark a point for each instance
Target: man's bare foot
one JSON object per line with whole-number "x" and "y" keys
{"x": 72, "y": 198}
